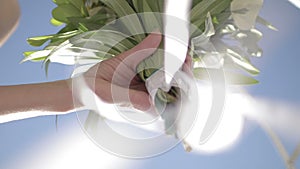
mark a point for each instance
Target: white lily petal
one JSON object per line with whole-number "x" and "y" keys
{"x": 177, "y": 116}
{"x": 36, "y": 55}
{"x": 245, "y": 12}
{"x": 204, "y": 48}
{"x": 239, "y": 60}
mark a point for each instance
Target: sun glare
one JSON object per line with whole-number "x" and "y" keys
{"x": 229, "y": 127}
{"x": 74, "y": 151}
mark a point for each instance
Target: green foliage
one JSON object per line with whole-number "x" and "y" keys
{"x": 199, "y": 11}
{"x": 81, "y": 19}
{"x": 39, "y": 40}
{"x": 122, "y": 8}
{"x": 231, "y": 77}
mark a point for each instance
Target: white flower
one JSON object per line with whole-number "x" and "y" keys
{"x": 180, "y": 115}
{"x": 205, "y": 49}
{"x": 245, "y": 12}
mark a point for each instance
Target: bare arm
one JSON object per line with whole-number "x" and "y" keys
{"x": 31, "y": 100}
{"x": 21, "y": 101}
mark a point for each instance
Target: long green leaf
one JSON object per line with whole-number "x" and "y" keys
{"x": 66, "y": 34}
{"x": 113, "y": 39}
{"x": 266, "y": 23}
{"x": 150, "y": 19}
{"x": 132, "y": 22}
{"x": 231, "y": 77}
{"x": 35, "y": 56}
{"x": 199, "y": 12}
{"x": 161, "y": 5}
{"x": 148, "y": 66}
{"x": 39, "y": 40}
{"x": 242, "y": 62}
{"x": 138, "y": 6}
{"x": 92, "y": 45}
{"x": 77, "y": 3}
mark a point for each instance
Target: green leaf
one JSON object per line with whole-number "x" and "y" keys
{"x": 82, "y": 27}
{"x": 63, "y": 12}
{"x": 28, "y": 53}
{"x": 138, "y": 6}
{"x": 46, "y": 65}
{"x": 55, "y": 43}
{"x": 151, "y": 64}
{"x": 61, "y": 37}
{"x": 39, "y": 40}
{"x": 265, "y": 23}
{"x": 132, "y": 22}
{"x": 92, "y": 45}
{"x": 115, "y": 40}
{"x": 231, "y": 77}
{"x": 242, "y": 62}
{"x": 92, "y": 23}
{"x": 155, "y": 5}
{"x": 166, "y": 97}
{"x": 67, "y": 34}
{"x": 95, "y": 46}
{"x": 161, "y": 5}
{"x": 142, "y": 6}
{"x": 195, "y": 2}
{"x": 35, "y": 55}
{"x": 199, "y": 12}
{"x": 55, "y": 22}
{"x": 77, "y": 3}
{"x": 239, "y": 79}
{"x": 80, "y": 5}
{"x": 60, "y": 2}
{"x": 151, "y": 21}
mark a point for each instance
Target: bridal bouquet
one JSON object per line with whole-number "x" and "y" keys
{"x": 223, "y": 36}
{"x": 226, "y": 33}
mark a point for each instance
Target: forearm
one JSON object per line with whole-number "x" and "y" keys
{"x": 43, "y": 98}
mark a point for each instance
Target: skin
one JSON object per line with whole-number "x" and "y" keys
{"x": 119, "y": 75}
{"x": 112, "y": 80}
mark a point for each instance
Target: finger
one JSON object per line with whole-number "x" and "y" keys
{"x": 140, "y": 100}
{"x": 187, "y": 66}
{"x": 187, "y": 69}
{"x": 115, "y": 94}
{"x": 143, "y": 50}
{"x": 189, "y": 61}
{"x": 140, "y": 87}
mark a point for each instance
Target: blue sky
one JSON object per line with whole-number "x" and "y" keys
{"x": 26, "y": 143}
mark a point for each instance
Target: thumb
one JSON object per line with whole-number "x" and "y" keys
{"x": 143, "y": 50}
